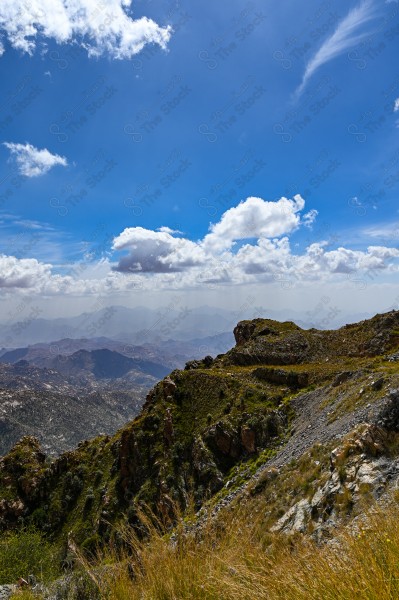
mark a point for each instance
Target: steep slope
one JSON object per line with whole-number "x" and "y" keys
{"x": 256, "y": 424}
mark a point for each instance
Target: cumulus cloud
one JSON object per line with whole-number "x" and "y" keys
{"x": 346, "y": 35}
{"x": 31, "y": 161}
{"x": 22, "y": 273}
{"x": 144, "y": 260}
{"x": 254, "y": 218}
{"x": 264, "y": 252}
{"x": 270, "y": 260}
{"x": 266, "y": 257}
{"x": 396, "y": 105}
{"x": 100, "y": 26}
{"x": 343, "y": 260}
{"x": 156, "y": 251}
{"x": 160, "y": 252}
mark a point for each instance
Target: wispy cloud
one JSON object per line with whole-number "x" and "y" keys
{"x": 388, "y": 231}
{"x": 31, "y": 161}
{"x": 346, "y": 35}
{"x": 396, "y": 105}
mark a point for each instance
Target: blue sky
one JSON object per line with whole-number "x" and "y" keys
{"x": 262, "y": 138}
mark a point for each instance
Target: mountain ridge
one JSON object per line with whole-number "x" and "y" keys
{"x": 230, "y": 431}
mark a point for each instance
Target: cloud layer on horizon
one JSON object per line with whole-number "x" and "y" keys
{"x": 249, "y": 245}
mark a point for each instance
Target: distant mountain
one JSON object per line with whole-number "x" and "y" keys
{"x": 70, "y": 389}
{"x": 142, "y": 326}
{"x": 135, "y": 326}
{"x": 61, "y": 392}
{"x": 196, "y": 348}
{"x": 39, "y": 353}
{"x": 170, "y": 353}
{"x": 104, "y": 364}
{"x": 50, "y": 406}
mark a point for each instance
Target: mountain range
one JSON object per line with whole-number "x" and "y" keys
{"x": 140, "y": 326}
{"x": 71, "y": 389}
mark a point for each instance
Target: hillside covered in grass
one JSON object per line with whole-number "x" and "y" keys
{"x": 291, "y": 433}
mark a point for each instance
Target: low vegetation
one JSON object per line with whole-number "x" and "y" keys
{"x": 26, "y": 553}
{"x": 238, "y": 560}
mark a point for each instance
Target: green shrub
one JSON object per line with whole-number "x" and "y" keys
{"x": 39, "y": 517}
{"x": 26, "y": 552}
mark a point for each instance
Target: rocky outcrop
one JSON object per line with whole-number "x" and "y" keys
{"x": 267, "y": 342}
{"x": 290, "y": 349}
{"x": 280, "y": 376}
{"x": 359, "y": 468}
{"x": 205, "y": 363}
{"x": 224, "y": 441}
{"x": 248, "y": 438}
{"x": 205, "y": 470}
{"x": 21, "y": 475}
{"x": 243, "y": 332}
{"x": 168, "y": 427}
{"x": 169, "y": 388}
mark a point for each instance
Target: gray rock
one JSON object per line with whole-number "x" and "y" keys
{"x": 6, "y": 591}
{"x": 295, "y": 519}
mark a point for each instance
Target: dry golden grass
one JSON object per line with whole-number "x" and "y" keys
{"x": 237, "y": 561}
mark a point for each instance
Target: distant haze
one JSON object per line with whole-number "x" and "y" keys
{"x": 139, "y": 326}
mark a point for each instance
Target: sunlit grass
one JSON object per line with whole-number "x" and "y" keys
{"x": 236, "y": 560}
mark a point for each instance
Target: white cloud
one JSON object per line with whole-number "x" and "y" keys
{"x": 254, "y": 218}
{"x": 100, "y": 26}
{"x": 266, "y": 255}
{"x": 309, "y": 218}
{"x": 344, "y": 260}
{"x": 33, "y": 162}
{"x": 273, "y": 258}
{"x": 156, "y": 251}
{"x": 396, "y": 105}
{"x": 22, "y": 273}
{"x": 160, "y": 252}
{"x": 158, "y": 260}
{"x": 168, "y": 230}
{"x": 344, "y": 37}
{"x": 388, "y": 231}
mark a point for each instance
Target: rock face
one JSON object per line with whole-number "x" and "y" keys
{"x": 21, "y": 475}
{"x": 168, "y": 427}
{"x": 358, "y": 467}
{"x": 281, "y": 376}
{"x": 248, "y": 439}
{"x": 243, "y": 332}
{"x": 169, "y": 387}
